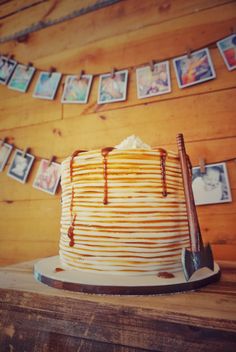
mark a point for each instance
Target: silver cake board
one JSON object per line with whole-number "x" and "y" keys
{"x": 50, "y": 272}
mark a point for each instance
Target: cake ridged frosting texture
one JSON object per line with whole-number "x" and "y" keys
{"x": 141, "y": 230}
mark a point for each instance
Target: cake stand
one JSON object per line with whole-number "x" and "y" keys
{"x": 50, "y": 272}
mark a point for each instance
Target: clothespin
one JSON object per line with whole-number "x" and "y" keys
{"x": 202, "y": 166}
{"x": 52, "y": 69}
{"x": 10, "y": 57}
{"x": 152, "y": 65}
{"x": 81, "y": 74}
{"x": 25, "y": 152}
{"x": 28, "y": 66}
{"x": 52, "y": 159}
{"x": 3, "y": 141}
{"x": 189, "y": 53}
{"x": 113, "y": 72}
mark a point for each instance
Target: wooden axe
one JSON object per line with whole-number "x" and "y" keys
{"x": 199, "y": 256}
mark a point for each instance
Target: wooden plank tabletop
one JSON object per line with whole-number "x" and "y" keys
{"x": 35, "y": 317}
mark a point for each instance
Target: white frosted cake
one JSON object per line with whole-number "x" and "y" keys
{"x": 123, "y": 210}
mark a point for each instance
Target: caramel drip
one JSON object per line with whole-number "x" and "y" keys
{"x": 77, "y": 152}
{"x": 71, "y": 228}
{"x": 163, "y": 171}
{"x": 57, "y": 270}
{"x": 105, "y": 152}
{"x": 71, "y": 232}
{"x": 165, "y": 275}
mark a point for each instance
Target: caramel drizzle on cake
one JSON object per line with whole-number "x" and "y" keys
{"x": 131, "y": 212}
{"x": 105, "y": 152}
{"x": 77, "y": 152}
{"x": 70, "y": 233}
{"x": 163, "y": 157}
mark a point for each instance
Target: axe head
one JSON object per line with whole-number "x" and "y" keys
{"x": 193, "y": 261}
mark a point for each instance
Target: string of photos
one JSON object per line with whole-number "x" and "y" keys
{"x": 48, "y": 174}
{"x": 151, "y": 80}
{"x": 210, "y": 182}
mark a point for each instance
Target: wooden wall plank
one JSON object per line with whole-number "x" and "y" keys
{"x": 224, "y": 251}
{"x": 213, "y": 151}
{"x": 28, "y": 215}
{"x": 10, "y": 7}
{"x": 21, "y": 109}
{"x": 43, "y": 110}
{"x": 14, "y": 252}
{"x": 156, "y": 123}
{"x": 94, "y": 49}
{"x": 49, "y": 110}
{"x": 132, "y": 13}
{"x": 135, "y": 48}
{"x": 47, "y": 11}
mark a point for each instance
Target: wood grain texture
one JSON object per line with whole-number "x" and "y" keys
{"x": 126, "y": 34}
{"x": 44, "y": 13}
{"x": 32, "y": 111}
{"x": 30, "y": 310}
{"x": 11, "y": 7}
{"x": 133, "y": 15}
{"x": 158, "y": 123}
{"x": 136, "y": 48}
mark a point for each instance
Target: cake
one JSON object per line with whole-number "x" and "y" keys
{"x": 123, "y": 210}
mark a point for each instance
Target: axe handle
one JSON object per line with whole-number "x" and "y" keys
{"x": 194, "y": 228}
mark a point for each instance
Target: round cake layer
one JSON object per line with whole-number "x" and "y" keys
{"x": 139, "y": 229}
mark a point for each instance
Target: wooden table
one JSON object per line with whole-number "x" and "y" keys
{"x": 35, "y": 317}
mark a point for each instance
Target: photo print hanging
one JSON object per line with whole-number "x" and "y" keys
{"x": 76, "y": 89}
{"x": 20, "y": 166}
{"x": 48, "y": 176}
{"x": 7, "y": 67}
{"x": 5, "y": 151}
{"x": 194, "y": 68}
{"x": 112, "y": 87}
{"x": 21, "y": 78}
{"x": 227, "y": 48}
{"x": 47, "y": 84}
{"x": 153, "y": 80}
{"x": 212, "y": 186}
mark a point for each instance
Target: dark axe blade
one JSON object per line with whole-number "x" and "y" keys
{"x": 199, "y": 256}
{"x": 193, "y": 261}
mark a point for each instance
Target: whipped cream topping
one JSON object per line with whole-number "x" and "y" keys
{"x": 132, "y": 142}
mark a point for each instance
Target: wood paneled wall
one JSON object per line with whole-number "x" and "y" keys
{"x": 123, "y": 35}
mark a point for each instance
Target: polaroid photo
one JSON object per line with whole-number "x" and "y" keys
{"x": 48, "y": 176}
{"x": 112, "y": 88}
{"x": 20, "y": 166}
{"x": 151, "y": 82}
{"x": 7, "y": 67}
{"x": 76, "y": 90}
{"x": 227, "y": 48}
{"x": 212, "y": 187}
{"x": 5, "y": 151}
{"x": 47, "y": 84}
{"x": 21, "y": 78}
{"x": 194, "y": 69}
